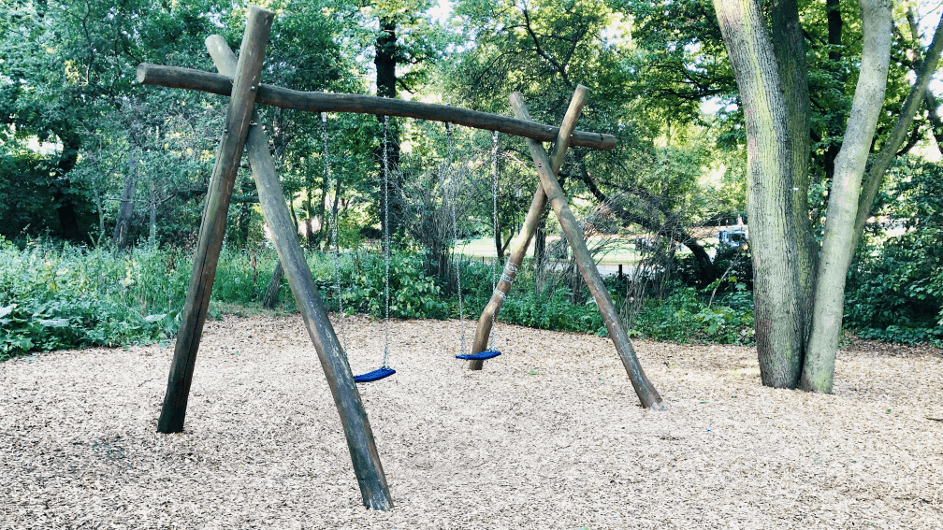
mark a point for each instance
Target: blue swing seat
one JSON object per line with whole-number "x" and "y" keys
{"x": 480, "y": 356}
{"x": 375, "y": 375}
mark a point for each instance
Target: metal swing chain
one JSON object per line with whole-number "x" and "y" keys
{"x": 494, "y": 218}
{"x": 453, "y": 189}
{"x": 333, "y": 219}
{"x": 386, "y": 239}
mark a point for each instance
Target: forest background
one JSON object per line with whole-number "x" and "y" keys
{"x": 102, "y": 181}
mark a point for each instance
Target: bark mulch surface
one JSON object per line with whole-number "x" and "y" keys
{"x": 549, "y": 435}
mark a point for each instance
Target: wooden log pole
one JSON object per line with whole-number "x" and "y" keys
{"x": 360, "y": 441}
{"x": 187, "y": 78}
{"x": 526, "y": 234}
{"x": 244, "y": 87}
{"x": 643, "y": 388}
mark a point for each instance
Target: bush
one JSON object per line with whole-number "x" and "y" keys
{"x": 412, "y": 294}
{"x": 60, "y": 296}
{"x": 68, "y": 297}
{"x": 686, "y": 315}
{"x": 55, "y": 296}
{"x": 895, "y": 286}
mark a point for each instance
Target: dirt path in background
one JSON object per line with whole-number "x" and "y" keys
{"x": 549, "y": 435}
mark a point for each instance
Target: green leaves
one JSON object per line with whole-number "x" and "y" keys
{"x": 896, "y": 285}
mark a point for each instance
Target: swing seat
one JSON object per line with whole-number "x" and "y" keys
{"x": 376, "y": 375}
{"x": 480, "y": 356}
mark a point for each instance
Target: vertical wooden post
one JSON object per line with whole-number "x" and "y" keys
{"x": 213, "y": 227}
{"x": 574, "y": 235}
{"x": 526, "y": 234}
{"x": 363, "y": 451}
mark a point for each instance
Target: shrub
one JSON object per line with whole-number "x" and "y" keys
{"x": 65, "y": 297}
{"x": 895, "y": 286}
{"x": 688, "y": 315}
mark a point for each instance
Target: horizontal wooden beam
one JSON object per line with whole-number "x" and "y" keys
{"x": 187, "y": 78}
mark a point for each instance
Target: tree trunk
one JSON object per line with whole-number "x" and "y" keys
{"x": 540, "y": 251}
{"x": 838, "y": 245}
{"x": 62, "y": 190}
{"x": 152, "y": 232}
{"x": 789, "y": 47}
{"x": 322, "y": 225}
{"x": 706, "y": 270}
{"x": 309, "y": 224}
{"x": 936, "y": 124}
{"x": 274, "y": 285}
{"x": 126, "y": 210}
{"x": 387, "y": 56}
{"x": 777, "y": 291}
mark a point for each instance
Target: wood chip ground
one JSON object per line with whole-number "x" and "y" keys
{"x": 549, "y": 435}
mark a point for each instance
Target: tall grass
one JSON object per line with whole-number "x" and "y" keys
{"x": 56, "y": 296}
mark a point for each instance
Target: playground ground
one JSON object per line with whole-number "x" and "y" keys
{"x": 549, "y": 435}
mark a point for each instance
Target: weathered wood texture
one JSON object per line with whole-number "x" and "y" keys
{"x": 526, "y": 234}
{"x": 174, "y": 77}
{"x": 774, "y": 238}
{"x": 244, "y": 87}
{"x": 360, "y": 441}
{"x": 574, "y": 235}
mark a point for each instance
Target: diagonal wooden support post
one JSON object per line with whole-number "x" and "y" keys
{"x": 526, "y": 234}
{"x": 213, "y": 227}
{"x": 363, "y": 451}
{"x": 574, "y": 235}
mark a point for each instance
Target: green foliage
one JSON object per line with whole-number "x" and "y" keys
{"x": 68, "y": 297}
{"x": 895, "y": 287}
{"x": 412, "y": 293}
{"x": 688, "y": 315}
{"x": 54, "y": 297}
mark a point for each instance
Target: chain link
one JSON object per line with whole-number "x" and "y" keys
{"x": 494, "y": 218}
{"x": 333, "y": 219}
{"x": 453, "y": 192}
{"x": 386, "y": 239}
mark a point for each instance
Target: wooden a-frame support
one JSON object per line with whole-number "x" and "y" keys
{"x": 240, "y": 80}
{"x": 549, "y": 188}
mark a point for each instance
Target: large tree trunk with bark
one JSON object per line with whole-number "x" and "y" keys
{"x": 770, "y": 75}
{"x": 62, "y": 190}
{"x": 778, "y": 289}
{"x": 387, "y": 56}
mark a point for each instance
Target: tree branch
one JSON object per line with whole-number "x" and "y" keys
{"x": 875, "y": 175}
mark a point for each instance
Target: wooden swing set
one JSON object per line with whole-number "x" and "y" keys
{"x": 239, "y": 79}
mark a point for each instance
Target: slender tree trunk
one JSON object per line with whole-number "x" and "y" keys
{"x": 880, "y": 164}
{"x": 309, "y": 224}
{"x": 936, "y": 124}
{"x": 385, "y": 60}
{"x": 126, "y": 210}
{"x": 838, "y": 245}
{"x": 101, "y": 212}
{"x": 152, "y": 233}
{"x": 835, "y": 27}
{"x": 777, "y": 291}
{"x": 706, "y": 270}
{"x": 540, "y": 251}
{"x": 274, "y": 285}
{"x": 498, "y": 247}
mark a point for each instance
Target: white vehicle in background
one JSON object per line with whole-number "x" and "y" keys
{"x": 735, "y": 237}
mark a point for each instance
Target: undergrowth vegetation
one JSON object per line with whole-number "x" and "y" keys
{"x": 895, "y": 289}
{"x": 55, "y": 296}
